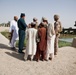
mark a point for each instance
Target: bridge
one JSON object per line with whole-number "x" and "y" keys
{"x": 68, "y": 31}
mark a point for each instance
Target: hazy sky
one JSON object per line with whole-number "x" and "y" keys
{"x": 39, "y": 8}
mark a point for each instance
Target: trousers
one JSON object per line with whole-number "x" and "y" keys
{"x": 21, "y": 39}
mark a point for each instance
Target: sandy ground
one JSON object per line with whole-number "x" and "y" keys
{"x": 12, "y": 63}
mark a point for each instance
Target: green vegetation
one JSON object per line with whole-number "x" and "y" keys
{"x": 6, "y": 34}
{"x": 61, "y": 43}
{"x": 18, "y": 42}
{"x": 67, "y": 36}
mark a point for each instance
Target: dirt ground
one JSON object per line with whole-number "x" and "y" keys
{"x": 12, "y": 63}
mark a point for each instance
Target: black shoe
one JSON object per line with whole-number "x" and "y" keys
{"x": 37, "y": 60}
{"x": 42, "y": 59}
{"x": 24, "y": 48}
{"x": 21, "y": 52}
{"x": 55, "y": 53}
{"x": 13, "y": 48}
{"x": 45, "y": 59}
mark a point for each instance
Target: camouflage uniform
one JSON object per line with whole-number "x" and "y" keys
{"x": 58, "y": 29}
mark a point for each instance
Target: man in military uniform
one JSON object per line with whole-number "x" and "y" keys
{"x": 22, "y": 27}
{"x": 58, "y": 29}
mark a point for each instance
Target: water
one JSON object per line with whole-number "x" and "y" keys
{"x": 67, "y": 40}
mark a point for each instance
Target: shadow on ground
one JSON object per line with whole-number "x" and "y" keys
{"x": 3, "y": 46}
{"x": 16, "y": 55}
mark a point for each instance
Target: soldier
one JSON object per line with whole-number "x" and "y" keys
{"x": 22, "y": 27}
{"x": 58, "y": 29}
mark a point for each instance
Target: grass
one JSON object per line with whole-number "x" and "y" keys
{"x": 6, "y": 34}
{"x": 61, "y": 43}
{"x": 67, "y": 36}
{"x": 18, "y": 42}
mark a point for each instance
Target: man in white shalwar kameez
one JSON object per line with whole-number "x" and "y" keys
{"x": 50, "y": 41}
{"x": 31, "y": 41}
{"x": 13, "y": 32}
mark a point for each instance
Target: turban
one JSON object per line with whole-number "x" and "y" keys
{"x": 43, "y": 18}
{"x": 35, "y": 18}
{"x": 33, "y": 23}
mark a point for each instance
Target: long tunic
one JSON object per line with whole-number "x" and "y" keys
{"x": 31, "y": 41}
{"x": 42, "y": 45}
{"x": 14, "y": 27}
{"x": 50, "y": 40}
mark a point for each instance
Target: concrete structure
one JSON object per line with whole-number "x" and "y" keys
{"x": 74, "y": 42}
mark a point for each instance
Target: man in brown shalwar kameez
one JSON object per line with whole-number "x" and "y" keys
{"x": 58, "y": 29}
{"x": 42, "y": 45}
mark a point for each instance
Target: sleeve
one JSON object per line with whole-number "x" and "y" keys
{"x": 60, "y": 26}
{"x": 13, "y": 27}
{"x": 36, "y": 34}
{"x": 23, "y": 23}
{"x": 56, "y": 27}
{"x": 27, "y": 34}
{"x": 49, "y": 31}
{"x": 39, "y": 33}
{"x": 53, "y": 31}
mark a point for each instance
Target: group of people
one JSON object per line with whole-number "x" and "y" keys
{"x": 41, "y": 39}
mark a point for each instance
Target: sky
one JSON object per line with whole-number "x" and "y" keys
{"x": 66, "y": 9}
